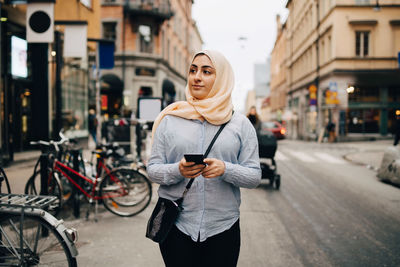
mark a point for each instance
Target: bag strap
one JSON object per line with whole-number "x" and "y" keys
{"x": 205, "y": 155}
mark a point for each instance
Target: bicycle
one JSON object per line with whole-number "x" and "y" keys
{"x": 123, "y": 191}
{"x": 30, "y": 236}
{"x": 51, "y": 150}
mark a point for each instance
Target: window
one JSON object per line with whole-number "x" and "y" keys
{"x": 362, "y": 43}
{"x": 109, "y": 30}
{"x": 362, "y": 2}
{"x": 87, "y": 3}
{"x": 145, "y": 38}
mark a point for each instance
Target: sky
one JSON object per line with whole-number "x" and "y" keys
{"x": 222, "y": 23}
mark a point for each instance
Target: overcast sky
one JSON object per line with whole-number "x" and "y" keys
{"x": 223, "y": 22}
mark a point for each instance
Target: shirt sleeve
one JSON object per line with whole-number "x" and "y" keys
{"x": 158, "y": 169}
{"x": 246, "y": 172}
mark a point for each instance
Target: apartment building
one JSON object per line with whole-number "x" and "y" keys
{"x": 342, "y": 66}
{"x": 155, "y": 40}
{"x": 277, "y": 101}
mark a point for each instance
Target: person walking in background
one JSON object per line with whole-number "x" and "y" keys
{"x": 397, "y": 129}
{"x": 330, "y": 128}
{"x": 207, "y": 231}
{"x": 93, "y": 124}
{"x": 254, "y": 119}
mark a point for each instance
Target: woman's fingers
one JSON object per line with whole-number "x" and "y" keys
{"x": 215, "y": 167}
{"x": 189, "y": 169}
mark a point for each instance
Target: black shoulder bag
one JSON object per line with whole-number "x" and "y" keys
{"x": 166, "y": 211}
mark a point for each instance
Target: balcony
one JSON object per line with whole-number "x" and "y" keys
{"x": 159, "y": 10}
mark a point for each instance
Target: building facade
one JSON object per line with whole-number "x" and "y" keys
{"x": 33, "y": 109}
{"x": 278, "y": 74}
{"x": 342, "y": 66}
{"x": 154, "y": 41}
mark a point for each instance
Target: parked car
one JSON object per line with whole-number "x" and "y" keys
{"x": 275, "y": 127}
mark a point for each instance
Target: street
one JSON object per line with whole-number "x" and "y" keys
{"x": 328, "y": 212}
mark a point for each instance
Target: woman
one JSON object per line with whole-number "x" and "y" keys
{"x": 253, "y": 117}
{"x": 207, "y": 231}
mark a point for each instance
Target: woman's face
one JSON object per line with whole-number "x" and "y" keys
{"x": 201, "y": 76}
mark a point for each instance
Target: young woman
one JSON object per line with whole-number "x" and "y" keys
{"x": 207, "y": 231}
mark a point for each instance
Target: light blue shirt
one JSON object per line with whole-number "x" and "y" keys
{"x": 211, "y": 205}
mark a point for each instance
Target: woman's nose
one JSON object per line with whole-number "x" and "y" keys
{"x": 198, "y": 75}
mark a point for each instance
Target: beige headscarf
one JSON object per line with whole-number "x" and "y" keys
{"x": 217, "y": 107}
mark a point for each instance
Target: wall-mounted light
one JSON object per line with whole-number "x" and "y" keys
{"x": 350, "y": 89}
{"x": 377, "y": 7}
{"x": 53, "y": 53}
{"x": 3, "y": 19}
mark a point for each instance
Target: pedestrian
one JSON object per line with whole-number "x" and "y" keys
{"x": 207, "y": 231}
{"x": 330, "y": 128}
{"x": 254, "y": 119}
{"x": 93, "y": 124}
{"x": 397, "y": 129}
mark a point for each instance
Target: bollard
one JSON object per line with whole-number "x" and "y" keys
{"x": 44, "y": 182}
{"x": 139, "y": 141}
{"x": 44, "y": 185}
{"x": 75, "y": 191}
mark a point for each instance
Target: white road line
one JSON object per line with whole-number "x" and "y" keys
{"x": 329, "y": 158}
{"x": 302, "y": 156}
{"x": 280, "y": 156}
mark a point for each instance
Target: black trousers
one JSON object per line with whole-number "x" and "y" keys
{"x": 221, "y": 250}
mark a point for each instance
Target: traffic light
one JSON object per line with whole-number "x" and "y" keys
{"x": 40, "y": 21}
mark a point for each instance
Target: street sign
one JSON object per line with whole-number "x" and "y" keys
{"x": 149, "y": 108}
{"x": 40, "y": 23}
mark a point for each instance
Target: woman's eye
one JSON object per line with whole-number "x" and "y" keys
{"x": 192, "y": 70}
{"x": 206, "y": 72}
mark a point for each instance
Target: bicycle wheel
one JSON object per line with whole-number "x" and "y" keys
{"x": 8, "y": 188}
{"x": 33, "y": 187}
{"x": 125, "y": 192}
{"x": 39, "y": 248}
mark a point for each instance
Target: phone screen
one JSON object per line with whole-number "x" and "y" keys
{"x": 196, "y": 158}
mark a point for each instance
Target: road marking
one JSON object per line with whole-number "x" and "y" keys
{"x": 329, "y": 158}
{"x": 280, "y": 156}
{"x": 302, "y": 156}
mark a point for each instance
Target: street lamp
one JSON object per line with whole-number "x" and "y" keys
{"x": 377, "y": 7}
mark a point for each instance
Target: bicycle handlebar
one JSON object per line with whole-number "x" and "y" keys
{"x": 63, "y": 140}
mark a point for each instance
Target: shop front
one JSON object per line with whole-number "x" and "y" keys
{"x": 371, "y": 109}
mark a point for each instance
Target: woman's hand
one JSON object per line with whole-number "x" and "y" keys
{"x": 214, "y": 168}
{"x": 189, "y": 169}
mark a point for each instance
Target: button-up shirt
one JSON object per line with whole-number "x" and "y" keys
{"x": 211, "y": 205}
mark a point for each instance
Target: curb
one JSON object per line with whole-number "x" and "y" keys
{"x": 346, "y": 157}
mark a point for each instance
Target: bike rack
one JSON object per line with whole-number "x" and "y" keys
{"x": 25, "y": 201}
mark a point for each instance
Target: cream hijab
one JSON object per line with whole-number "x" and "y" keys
{"x": 217, "y": 107}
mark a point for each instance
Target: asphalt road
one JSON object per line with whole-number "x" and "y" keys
{"x": 328, "y": 212}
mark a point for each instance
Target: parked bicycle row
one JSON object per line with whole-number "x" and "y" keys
{"x": 62, "y": 178}
{"x": 108, "y": 177}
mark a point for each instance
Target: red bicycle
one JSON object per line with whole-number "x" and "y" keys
{"x": 122, "y": 190}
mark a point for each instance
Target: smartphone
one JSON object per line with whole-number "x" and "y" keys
{"x": 196, "y": 158}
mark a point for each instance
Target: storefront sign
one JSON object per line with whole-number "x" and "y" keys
{"x": 313, "y": 95}
{"x": 104, "y": 102}
{"x": 331, "y": 94}
{"x": 19, "y": 49}
{"x": 40, "y": 23}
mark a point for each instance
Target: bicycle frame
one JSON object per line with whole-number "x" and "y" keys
{"x": 62, "y": 168}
